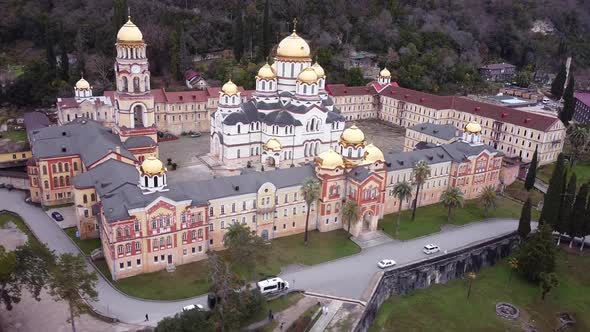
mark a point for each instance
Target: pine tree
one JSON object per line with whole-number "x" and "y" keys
{"x": 266, "y": 34}
{"x": 559, "y": 82}
{"x": 64, "y": 66}
{"x": 575, "y": 227}
{"x": 531, "y": 175}
{"x": 553, "y": 197}
{"x": 569, "y": 102}
{"x": 175, "y": 54}
{"x": 49, "y": 51}
{"x": 567, "y": 206}
{"x": 184, "y": 58}
{"x": 537, "y": 255}
{"x": 585, "y": 224}
{"x": 524, "y": 224}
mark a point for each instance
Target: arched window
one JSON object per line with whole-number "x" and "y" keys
{"x": 46, "y": 184}
{"x": 317, "y": 145}
{"x": 118, "y": 232}
{"x": 55, "y": 181}
{"x": 145, "y": 180}
{"x": 60, "y": 167}
{"x": 169, "y": 240}
{"x": 263, "y": 85}
{"x": 155, "y": 181}
{"x": 61, "y": 181}
{"x": 128, "y": 247}
{"x": 44, "y": 170}
{"x": 304, "y": 88}
{"x": 54, "y": 168}
{"x": 85, "y": 199}
{"x": 124, "y": 86}
{"x": 67, "y": 167}
{"x": 146, "y": 83}
{"x": 136, "y": 84}
{"x": 126, "y": 230}
{"x": 154, "y": 243}
{"x": 136, "y": 225}
{"x": 92, "y": 197}
{"x": 161, "y": 242}
{"x": 350, "y": 152}
{"x": 239, "y": 127}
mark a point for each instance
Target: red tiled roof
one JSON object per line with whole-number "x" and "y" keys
{"x": 500, "y": 113}
{"x": 159, "y": 95}
{"x": 67, "y": 103}
{"x": 186, "y": 96}
{"x": 338, "y": 90}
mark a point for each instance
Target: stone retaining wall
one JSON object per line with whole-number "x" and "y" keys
{"x": 437, "y": 270}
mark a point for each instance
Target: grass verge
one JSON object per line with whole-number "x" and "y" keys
{"x": 430, "y": 218}
{"x": 85, "y": 245}
{"x": 446, "y": 307}
{"x": 191, "y": 279}
{"x": 517, "y": 191}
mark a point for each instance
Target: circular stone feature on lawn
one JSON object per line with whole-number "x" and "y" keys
{"x": 507, "y": 311}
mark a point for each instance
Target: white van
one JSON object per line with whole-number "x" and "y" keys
{"x": 545, "y": 100}
{"x": 192, "y": 307}
{"x": 272, "y": 285}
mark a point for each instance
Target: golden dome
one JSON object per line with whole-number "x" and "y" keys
{"x": 373, "y": 154}
{"x": 385, "y": 73}
{"x": 82, "y": 84}
{"x": 230, "y": 88}
{"x": 473, "y": 128}
{"x": 266, "y": 72}
{"x": 129, "y": 32}
{"x": 308, "y": 75}
{"x": 353, "y": 135}
{"x": 293, "y": 46}
{"x": 273, "y": 144}
{"x": 330, "y": 159}
{"x": 152, "y": 166}
{"x": 318, "y": 70}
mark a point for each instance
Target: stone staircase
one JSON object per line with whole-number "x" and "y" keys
{"x": 371, "y": 239}
{"x": 170, "y": 268}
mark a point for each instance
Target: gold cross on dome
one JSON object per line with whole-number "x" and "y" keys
{"x": 294, "y": 24}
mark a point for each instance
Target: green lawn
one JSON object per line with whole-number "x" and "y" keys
{"x": 517, "y": 191}
{"x": 446, "y": 307}
{"x": 15, "y": 135}
{"x": 430, "y": 218}
{"x": 276, "y": 305}
{"x": 581, "y": 168}
{"x": 191, "y": 279}
{"x": 85, "y": 245}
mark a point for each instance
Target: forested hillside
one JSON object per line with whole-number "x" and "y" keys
{"x": 433, "y": 45}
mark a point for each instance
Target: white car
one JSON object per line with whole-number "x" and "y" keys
{"x": 385, "y": 263}
{"x": 430, "y": 249}
{"x": 192, "y": 306}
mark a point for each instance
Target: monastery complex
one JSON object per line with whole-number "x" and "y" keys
{"x": 103, "y": 155}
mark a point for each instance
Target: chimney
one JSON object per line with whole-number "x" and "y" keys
{"x": 504, "y": 114}
{"x": 477, "y": 108}
{"x": 118, "y": 149}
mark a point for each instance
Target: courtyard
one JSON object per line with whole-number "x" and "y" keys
{"x": 446, "y": 307}
{"x": 389, "y": 138}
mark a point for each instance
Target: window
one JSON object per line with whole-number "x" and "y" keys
{"x": 137, "y": 246}
{"x": 210, "y": 211}
{"x": 200, "y": 233}
{"x": 136, "y": 225}
{"x": 155, "y": 259}
{"x": 121, "y": 265}
{"x": 138, "y": 262}
{"x": 222, "y": 209}
{"x": 210, "y": 227}
{"x": 44, "y": 170}
{"x": 193, "y": 250}
{"x": 128, "y": 248}
{"x": 120, "y": 249}
{"x": 183, "y": 236}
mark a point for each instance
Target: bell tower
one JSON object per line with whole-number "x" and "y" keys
{"x": 134, "y": 102}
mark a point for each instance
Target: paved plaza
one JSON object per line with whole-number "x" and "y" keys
{"x": 387, "y": 137}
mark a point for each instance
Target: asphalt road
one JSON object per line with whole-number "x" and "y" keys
{"x": 346, "y": 277}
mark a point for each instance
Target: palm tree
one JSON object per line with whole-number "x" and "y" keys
{"x": 578, "y": 138}
{"x": 311, "y": 192}
{"x": 350, "y": 213}
{"x": 421, "y": 173}
{"x": 452, "y": 198}
{"x": 403, "y": 192}
{"x": 488, "y": 198}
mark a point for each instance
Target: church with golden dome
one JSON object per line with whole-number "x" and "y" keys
{"x": 289, "y": 120}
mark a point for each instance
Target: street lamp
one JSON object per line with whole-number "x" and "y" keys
{"x": 471, "y": 276}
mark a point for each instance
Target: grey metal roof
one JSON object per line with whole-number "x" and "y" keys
{"x": 118, "y": 194}
{"x": 445, "y": 131}
{"x": 281, "y": 118}
{"x": 82, "y": 137}
{"x": 360, "y": 173}
{"x": 461, "y": 150}
{"x": 403, "y": 160}
{"x": 139, "y": 142}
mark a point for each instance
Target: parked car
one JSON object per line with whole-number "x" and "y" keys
{"x": 385, "y": 263}
{"x": 430, "y": 249}
{"x": 192, "y": 306}
{"x": 57, "y": 216}
{"x": 193, "y": 135}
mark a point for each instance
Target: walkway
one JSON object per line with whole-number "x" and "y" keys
{"x": 541, "y": 186}
{"x": 346, "y": 277}
{"x": 371, "y": 239}
{"x": 326, "y": 317}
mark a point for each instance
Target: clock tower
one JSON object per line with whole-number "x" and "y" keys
{"x": 134, "y": 102}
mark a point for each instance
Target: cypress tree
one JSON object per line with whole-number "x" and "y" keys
{"x": 175, "y": 54}
{"x": 553, "y": 197}
{"x": 585, "y": 225}
{"x": 524, "y": 223}
{"x": 531, "y": 175}
{"x": 559, "y": 82}
{"x": 567, "y": 207}
{"x": 576, "y": 225}
{"x": 64, "y": 66}
{"x": 266, "y": 34}
{"x": 569, "y": 102}
{"x": 238, "y": 38}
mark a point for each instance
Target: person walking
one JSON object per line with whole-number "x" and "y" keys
{"x": 146, "y": 317}
{"x": 282, "y": 324}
